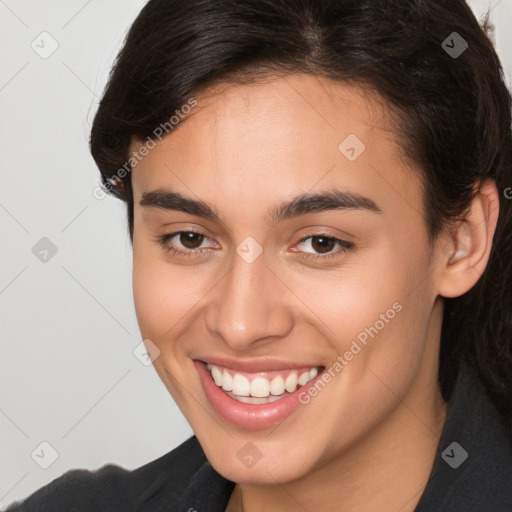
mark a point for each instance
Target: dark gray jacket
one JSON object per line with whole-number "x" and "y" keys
{"x": 472, "y": 472}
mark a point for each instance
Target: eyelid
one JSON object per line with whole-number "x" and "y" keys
{"x": 164, "y": 238}
{"x": 344, "y": 246}
{"x": 325, "y": 235}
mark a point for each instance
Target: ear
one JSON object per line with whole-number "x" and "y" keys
{"x": 466, "y": 248}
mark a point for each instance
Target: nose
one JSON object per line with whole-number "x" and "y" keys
{"x": 249, "y": 305}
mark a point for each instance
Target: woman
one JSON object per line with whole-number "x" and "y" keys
{"x": 318, "y": 197}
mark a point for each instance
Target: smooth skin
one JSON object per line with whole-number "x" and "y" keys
{"x": 367, "y": 441}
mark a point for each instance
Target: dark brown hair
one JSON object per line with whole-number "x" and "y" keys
{"x": 454, "y": 116}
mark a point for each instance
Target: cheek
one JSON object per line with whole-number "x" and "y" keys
{"x": 375, "y": 312}
{"x": 391, "y": 318}
{"x": 164, "y": 294}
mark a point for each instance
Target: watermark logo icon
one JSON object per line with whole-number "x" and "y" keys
{"x": 454, "y": 455}
{"x": 249, "y": 249}
{"x": 249, "y": 455}
{"x": 44, "y": 455}
{"x": 45, "y": 45}
{"x": 455, "y": 45}
{"x": 146, "y": 352}
{"x": 352, "y": 147}
{"x": 44, "y": 250}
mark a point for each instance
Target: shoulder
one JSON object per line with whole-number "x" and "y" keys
{"x": 111, "y": 487}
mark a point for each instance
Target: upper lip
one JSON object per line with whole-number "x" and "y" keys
{"x": 255, "y": 365}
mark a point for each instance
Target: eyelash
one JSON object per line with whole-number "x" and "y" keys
{"x": 345, "y": 245}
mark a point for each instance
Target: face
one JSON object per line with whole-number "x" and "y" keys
{"x": 258, "y": 275}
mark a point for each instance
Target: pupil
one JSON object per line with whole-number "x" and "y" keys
{"x": 323, "y": 247}
{"x": 188, "y": 238}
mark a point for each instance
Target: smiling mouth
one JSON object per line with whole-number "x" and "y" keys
{"x": 261, "y": 387}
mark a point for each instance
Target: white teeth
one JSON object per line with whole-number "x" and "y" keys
{"x": 227, "y": 381}
{"x": 259, "y": 390}
{"x": 253, "y": 400}
{"x": 260, "y": 387}
{"x": 241, "y": 385}
{"x": 217, "y": 376}
{"x": 304, "y": 377}
{"x": 290, "y": 384}
{"x": 277, "y": 385}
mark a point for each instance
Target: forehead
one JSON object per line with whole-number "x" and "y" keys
{"x": 279, "y": 137}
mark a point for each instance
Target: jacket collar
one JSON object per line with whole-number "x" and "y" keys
{"x": 472, "y": 468}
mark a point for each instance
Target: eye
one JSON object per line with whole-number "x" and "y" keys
{"x": 183, "y": 243}
{"x": 324, "y": 244}
{"x": 188, "y": 243}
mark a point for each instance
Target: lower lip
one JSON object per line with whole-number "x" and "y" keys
{"x": 249, "y": 416}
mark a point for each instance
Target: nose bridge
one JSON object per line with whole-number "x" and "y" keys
{"x": 248, "y": 305}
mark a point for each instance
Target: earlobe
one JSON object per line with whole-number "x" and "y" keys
{"x": 471, "y": 243}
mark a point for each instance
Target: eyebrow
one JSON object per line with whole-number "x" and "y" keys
{"x": 304, "y": 204}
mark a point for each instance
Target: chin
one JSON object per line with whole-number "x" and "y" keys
{"x": 257, "y": 463}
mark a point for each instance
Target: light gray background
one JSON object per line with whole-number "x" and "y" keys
{"x": 68, "y": 327}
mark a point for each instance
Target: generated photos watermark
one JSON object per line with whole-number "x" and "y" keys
{"x": 102, "y": 190}
{"x": 355, "y": 348}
